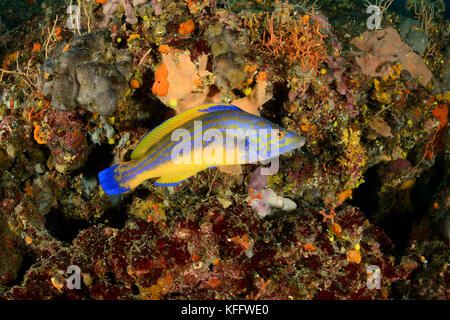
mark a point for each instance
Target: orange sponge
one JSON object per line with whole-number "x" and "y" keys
{"x": 187, "y": 27}
{"x": 161, "y": 85}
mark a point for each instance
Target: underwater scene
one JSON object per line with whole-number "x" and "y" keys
{"x": 229, "y": 150}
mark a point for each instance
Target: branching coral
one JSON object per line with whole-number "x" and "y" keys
{"x": 425, "y": 11}
{"x": 297, "y": 40}
{"x": 382, "y": 4}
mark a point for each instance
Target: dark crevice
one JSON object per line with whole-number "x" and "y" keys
{"x": 427, "y": 185}
{"x": 62, "y": 228}
{"x": 272, "y": 109}
{"x": 387, "y": 210}
{"x": 144, "y": 94}
{"x": 365, "y": 197}
{"x": 397, "y": 211}
{"x": 116, "y": 217}
{"x": 27, "y": 262}
{"x": 135, "y": 289}
{"x": 100, "y": 158}
{"x": 238, "y": 93}
{"x": 111, "y": 277}
{"x": 158, "y": 112}
{"x": 142, "y": 193}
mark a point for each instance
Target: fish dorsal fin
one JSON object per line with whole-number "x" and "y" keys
{"x": 167, "y": 126}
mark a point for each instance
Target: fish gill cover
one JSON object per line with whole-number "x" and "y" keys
{"x": 355, "y": 208}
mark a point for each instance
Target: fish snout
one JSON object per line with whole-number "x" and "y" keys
{"x": 298, "y": 141}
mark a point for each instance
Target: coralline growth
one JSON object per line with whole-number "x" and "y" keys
{"x": 297, "y": 40}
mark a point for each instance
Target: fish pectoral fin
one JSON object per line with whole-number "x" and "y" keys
{"x": 173, "y": 180}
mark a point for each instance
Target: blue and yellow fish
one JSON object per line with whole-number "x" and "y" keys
{"x": 199, "y": 138}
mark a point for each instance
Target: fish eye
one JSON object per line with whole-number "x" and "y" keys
{"x": 278, "y": 134}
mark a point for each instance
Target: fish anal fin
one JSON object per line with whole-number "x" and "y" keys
{"x": 172, "y": 180}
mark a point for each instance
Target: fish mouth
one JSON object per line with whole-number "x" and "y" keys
{"x": 293, "y": 144}
{"x": 298, "y": 142}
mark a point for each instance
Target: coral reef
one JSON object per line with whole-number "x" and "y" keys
{"x": 228, "y": 48}
{"x": 219, "y": 254}
{"x": 368, "y": 189}
{"x": 299, "y": 41}
{"x": 63, "y": 133}
{"x": 11, "y": 255}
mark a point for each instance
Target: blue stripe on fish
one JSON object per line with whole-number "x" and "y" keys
{"x": 215, "y": 116}
{"x": 221, "y": 108}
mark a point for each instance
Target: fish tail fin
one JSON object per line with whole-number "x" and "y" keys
{"x": 109, "y": 183}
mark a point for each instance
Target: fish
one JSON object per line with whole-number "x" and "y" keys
{"x": 196, "y": 139}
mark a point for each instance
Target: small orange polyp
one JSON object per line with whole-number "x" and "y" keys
{"x": 135, "y": 84}
{"x": 164, "y": 48}
{"x": 309, "y": 247}
{"x": 161, "y": 85}
{"x": 187, "y": 27}
{"x": 353, "y": 255}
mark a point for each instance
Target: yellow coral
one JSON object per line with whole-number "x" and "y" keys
{"x": 149, "y": 210}
{"x": 344, "y": 195}
{"x": 38, "y": 135}
{"x": 157, "y": 290}
{"x": 395, "y": 74}
{"x": 274, "y": 180}
{"x": 133, "y": 36}
{"x": 380, "y": 95}
{"x": 443, "y": 97}
{"x": 354, "y": 157}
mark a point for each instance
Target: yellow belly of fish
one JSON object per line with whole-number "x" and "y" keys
{"x": 183, "y": 167}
